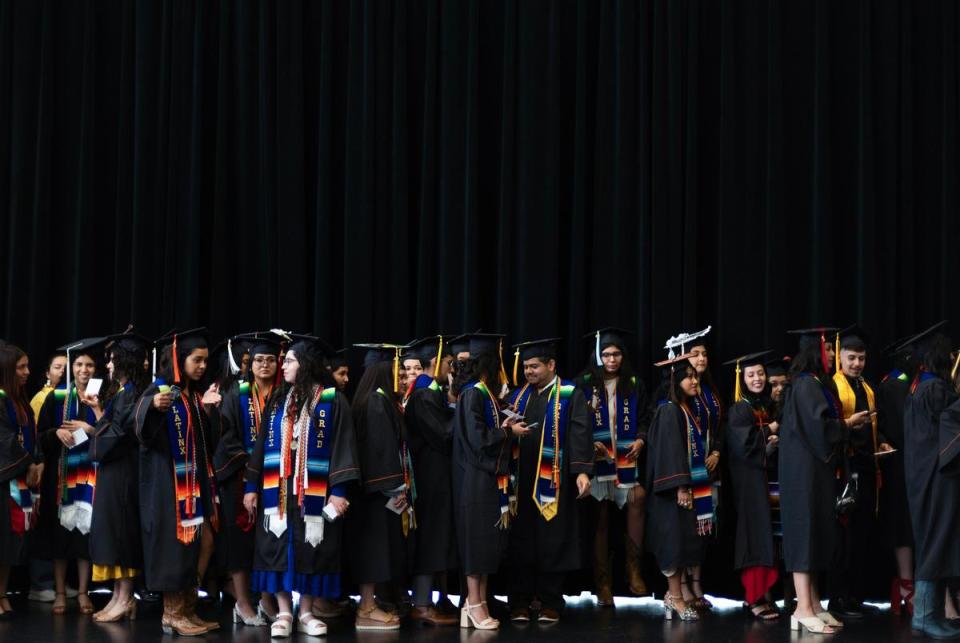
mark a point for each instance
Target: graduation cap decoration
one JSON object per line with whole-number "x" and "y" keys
{"x": 609, "y": 336}
{"x": 742, "y": 362}
{"x": 682, "y": 340}
{"x": 545, "y": 349}
{"x": 80, "y": 347}
{"x": 810, "y": 335}
{"x": 669, "y": 365}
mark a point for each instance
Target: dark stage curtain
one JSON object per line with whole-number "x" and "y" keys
{"x": 380, "y": 170}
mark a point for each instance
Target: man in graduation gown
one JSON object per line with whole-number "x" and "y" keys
{"x": 553, "y": 469}
{"x": 933, "y": 487}
{"x": 429, "y": 418}
{"x": 856, "y": 553}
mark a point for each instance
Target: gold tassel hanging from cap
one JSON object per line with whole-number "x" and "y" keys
{"x": 737, "y": 392}
{"x": 503, "y": 373}
{"x": 956, "y": 365}
{"x": 836, "y": 354}
{"x": 516, "y": 363}
{"x": 396, "y": 369}
{"x": 436, "y": 366}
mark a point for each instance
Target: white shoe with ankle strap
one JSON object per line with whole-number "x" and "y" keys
{"x": 312, "y": 626}
{"x": 280, "y": 629}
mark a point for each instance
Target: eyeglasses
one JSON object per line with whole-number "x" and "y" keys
{"x": 287, "y": 361}
{"x": 266, "y": 360}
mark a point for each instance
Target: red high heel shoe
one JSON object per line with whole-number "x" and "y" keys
{"x": 898, "y": 600}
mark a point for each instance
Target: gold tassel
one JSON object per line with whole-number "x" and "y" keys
{"x": 396, "y": 370}
{"x": 956, "y": 365}
{"x": 503, "y": 373}
{"x": 836, "y": 354}
{"x": 436, "y": 366}
{"x": 516, "y": 363}
{"x": 737, "y": 393}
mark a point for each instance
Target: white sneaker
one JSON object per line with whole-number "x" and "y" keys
{"x": 42, "y": 595}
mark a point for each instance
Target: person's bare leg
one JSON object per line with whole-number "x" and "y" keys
{"x": 241, "y": 589}
{"x": 683, "y": 577}
{"x": 83, "y": 585}
{"x": 802, "y": 585}
{"x": 675, "y": 589}
{"x": 637, "y": 515}
{"x": 206, "y": 551}
{"x": 476, "y": 595}
{"x": 60, "y": 585}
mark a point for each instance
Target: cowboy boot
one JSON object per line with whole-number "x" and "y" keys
{"x": 190, "y": 611}
{"x": 633, "y": 558}
{"x": 173, "y": 619}
{"x": 601, "y": 576}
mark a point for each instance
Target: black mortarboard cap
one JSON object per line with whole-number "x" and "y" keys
{"x": 810, "y": 336}
{"x": 853, "y": 337}
{"x": 917, "y": 343}
{"x": 376, "y": 353}
{"x": 338, "y": 359}
{"x": 778, "y": 366}
{"x": 89, "y": 346}
{"x": 538, "y": 348}
{"x": 427, "y": 348}
{"x": 311, "y": 343}
{"x": 130, "y": 342}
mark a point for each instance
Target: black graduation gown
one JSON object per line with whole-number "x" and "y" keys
{"x": 746, "y": 448}
{"x": 933, "y": 488}
{"x": 810, "y": 452}
{"x": 554, "y": 545}
{"x": 271, "y": 551}
{"x": 50, "y": 541}
{"x": 169, "y": 565}
{"x": 234, "y": 545}
{"x": 894, "y": 510}
{"x": 14, "y": 462}
{"x": 671, "y": 529}
{"x": 480, "y": 454}
{"x": 378, "y": 548}
{"x": 430, "y": 439}
{"x": 114, "y": 538}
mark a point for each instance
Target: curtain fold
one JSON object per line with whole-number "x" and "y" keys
{"x": 377, "y": 170}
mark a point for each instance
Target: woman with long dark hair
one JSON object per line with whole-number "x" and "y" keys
{"x": 621, "y": 413}
{"x": 69, "y": 476}
{"x": 708, "y": 412}
{"x": 812, "y": 435}
{"x": 20, "y": 468}
{"x": 115, "y": 548}
{"x": 481, "y": 476}
{"x": 674, "y": 505}
{"x": 297, "y": 476}
{"x": 178, "y": 426}
{"x": 749, "y": 443}
{"x": 383, "y": 517}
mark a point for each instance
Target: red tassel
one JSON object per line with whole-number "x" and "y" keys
{"x": 176, "y": 365}
{"x": 823, "y": 353}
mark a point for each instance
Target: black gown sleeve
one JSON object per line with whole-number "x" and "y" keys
{"x": 745, "y": 442}
{"x": 254, "y": 469}
{"x": 487, "y": 449}
{"x": 230, "y": 455}
{"x": 14, "y": 459}
{"x": 114, "y": 430}
{"x": 434, "y": 420}
{"x": 667, "y": 462}
{"x": 149, "y": 423}
{"x": 579, "y": 436}
{"x": 379, "y": 447}
{"x": 949, "y": 461}
{"x": 47, "y": 425}
{"x": 820, "y": 432}
{"x": 644, "y": 410}
{"x": 344, "y": 463}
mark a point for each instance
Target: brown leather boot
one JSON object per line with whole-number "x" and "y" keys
{"x": 601, "y": 577}
{"x": 173, "y": 619}
{"x": 634, "y": 579}
{"x": 190, "y": 611}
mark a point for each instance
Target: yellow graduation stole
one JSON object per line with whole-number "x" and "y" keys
{"x": 848, "y": 402}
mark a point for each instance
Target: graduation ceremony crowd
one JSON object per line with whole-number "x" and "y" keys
{"x": 159, "y": 467}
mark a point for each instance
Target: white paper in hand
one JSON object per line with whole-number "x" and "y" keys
{"x": 93, "y": 386}
{"x": 392, "y": 505}
{"x": 79, "y": 437}
{"x": 330, "y": 513}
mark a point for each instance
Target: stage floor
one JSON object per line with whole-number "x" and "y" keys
{"x": 582, "y": 622}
